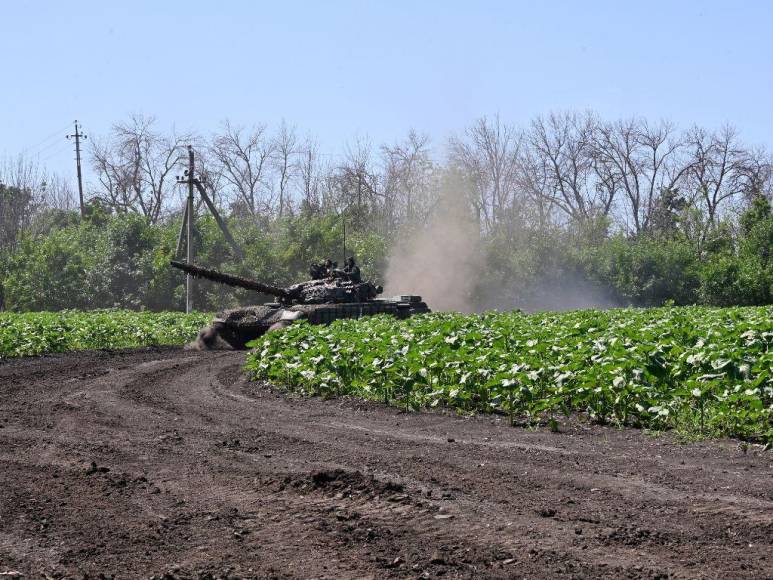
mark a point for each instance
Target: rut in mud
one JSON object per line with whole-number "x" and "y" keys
{"x": 161, "y": 461}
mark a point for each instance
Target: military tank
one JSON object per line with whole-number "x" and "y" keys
{"x": 330, "y": 295}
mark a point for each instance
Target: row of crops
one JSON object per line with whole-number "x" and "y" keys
{"x": 44, "y": 332}
{"x": 699, "y": 370}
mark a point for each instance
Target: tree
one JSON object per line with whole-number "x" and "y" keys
{"x": 135, "y": 166}
{"x": 408, "y": 180}
{"x": 243, "y": 158}
{"x": 562, "y": 149}
{"x": 22, "y": 194}
{"x": 15, "y": 211}
{"x": 720, "y": 170}
{"x": 489, "y": 155}
{"x": 352, "y": 187}
{"x": 58, "y": 193}
{"x": 635, "y": 161}
{"x": 665, "y": 217}
{"x": 285, "y": 148}
{"x": 758, "y": 212}
{"x": 310, "y": 175}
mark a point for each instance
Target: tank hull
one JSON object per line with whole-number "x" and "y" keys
{"x": 234, "y": 328}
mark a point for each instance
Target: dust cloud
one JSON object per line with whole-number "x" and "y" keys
{"x": 553, "y": 291}
{"x": 440, "y": 261}
{"x": 450, "y": 266}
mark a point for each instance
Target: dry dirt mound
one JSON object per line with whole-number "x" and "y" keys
{"x": 166, "y": 463}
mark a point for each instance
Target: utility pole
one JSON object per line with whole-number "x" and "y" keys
{"x": 77, "y": 136}
{"x": 188, "y": 277}
{"x": 186, "y": 227}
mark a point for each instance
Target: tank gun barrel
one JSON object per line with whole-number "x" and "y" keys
{"x": 230, "y": 279}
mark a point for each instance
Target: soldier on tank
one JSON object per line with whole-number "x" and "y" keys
{"x": 317, "y": 271}
{"x": 340, "y": 273}
{"x": 352, "y": 270}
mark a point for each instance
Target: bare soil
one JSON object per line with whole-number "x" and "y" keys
{"x": 167, "y": 463}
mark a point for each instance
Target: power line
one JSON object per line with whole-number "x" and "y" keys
{"x": 46, "y": 139}
{"x": 42, "y": 150}
{"x": 58, "y": 151}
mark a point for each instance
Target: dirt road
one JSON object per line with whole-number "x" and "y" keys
{"x": 156, "y": 462}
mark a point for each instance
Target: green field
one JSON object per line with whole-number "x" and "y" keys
{"x": 702, "y": 371}
{"x": 45, "y": 332}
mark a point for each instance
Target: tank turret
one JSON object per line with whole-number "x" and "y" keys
{"x": 334, "y": 287}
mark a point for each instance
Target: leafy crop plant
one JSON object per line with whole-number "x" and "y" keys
{"x": 45, "y": 332}
{"x": 703, "y": 371}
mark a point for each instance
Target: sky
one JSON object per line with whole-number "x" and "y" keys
{"x": 345, "y": 69}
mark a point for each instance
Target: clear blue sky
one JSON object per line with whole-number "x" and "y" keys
{"x": 339, "y": 69}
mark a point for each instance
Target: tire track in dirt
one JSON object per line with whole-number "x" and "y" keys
{"x": 162, "y": 461}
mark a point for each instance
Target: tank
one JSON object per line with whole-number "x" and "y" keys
{"x": 330, "y": 295}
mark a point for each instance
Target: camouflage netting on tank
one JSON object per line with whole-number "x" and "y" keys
{"x": 309, "y": 308}
{"x": 251, "y": 316}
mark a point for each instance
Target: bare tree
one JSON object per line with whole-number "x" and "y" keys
{"x": 243, "y": 159}
{"x": 634, "y": 161}
{"x": 135, "y": 166}
{"x": 757, "y": 167}
{"x": 534, "y": 179}
{"x": 720, "y": 170}
{"x": 310, "y": 174}
{"x": 22, "y": 194}
{"x": 489, "y": 154}
{"x": 285, "y": 148}
{"x": 23, "y": 173}
{"x": 209, "y": 171}
{"x": 562, "y": 152}
{"x": 59, "y": 193}
{"x": 408, "y": 180}
{"x": 356, "y": 176}
{"x": 353, "y": 187}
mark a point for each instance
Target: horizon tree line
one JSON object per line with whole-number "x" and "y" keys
{"x": 567, "y": 170}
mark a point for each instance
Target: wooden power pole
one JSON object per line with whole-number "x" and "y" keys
{"x": 189, "y": 227}
{"x": 186, "y": 228}
{"x": 77, "y": 136}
